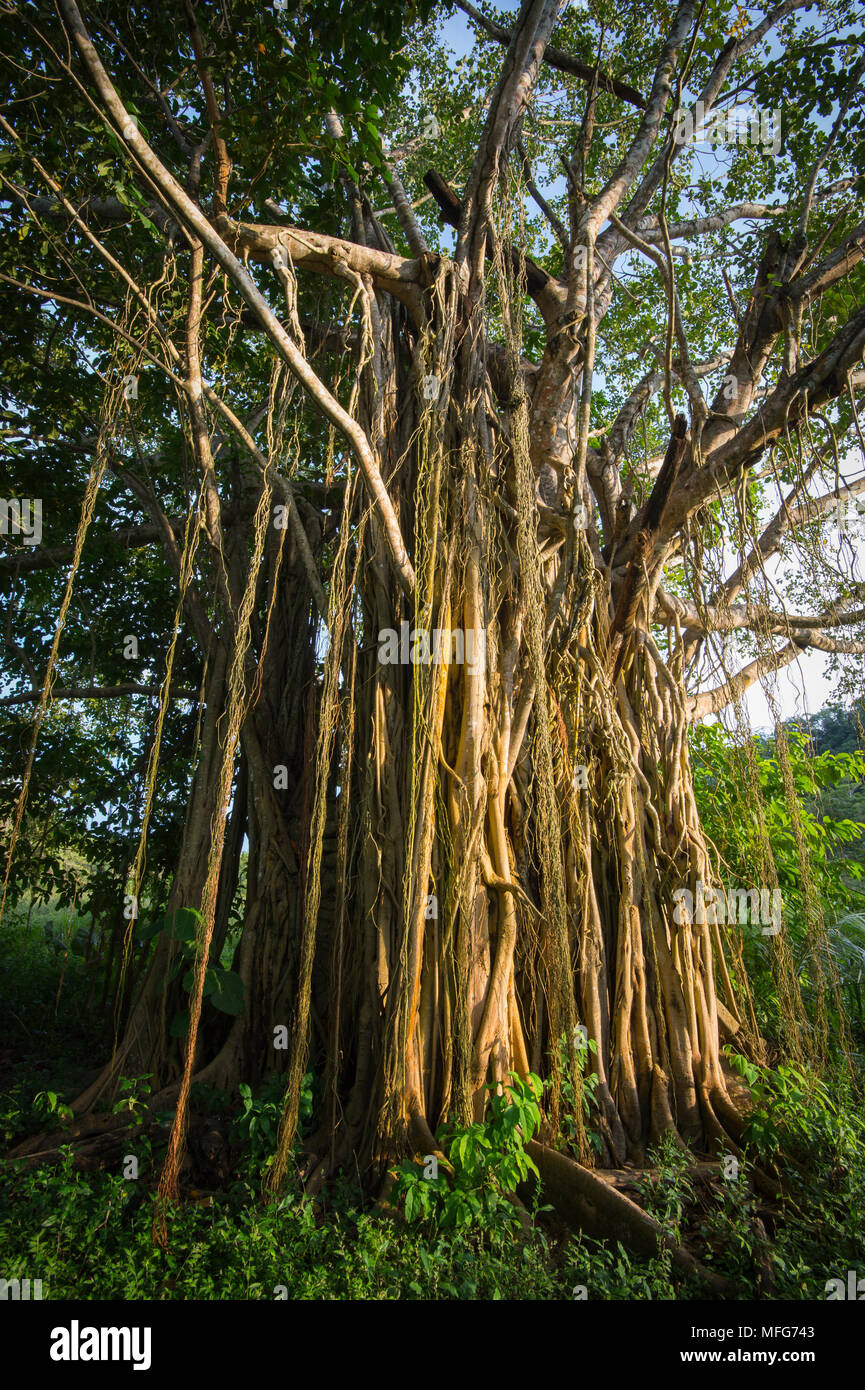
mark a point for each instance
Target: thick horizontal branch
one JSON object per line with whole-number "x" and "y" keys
{"x": 649, "y": 229}
{"x": 95, "y": 692}
{"x": 755, "y": 617}
{"x": 397, "y": 275}
{"x": 100, "y": 209}
{"x": 49, "y": 557}
{"x": 713, "y": 701}
{"x": 835, "y": 267}
{"x": 791, "y": 513}
{"x": 794, "y": 398}
{"x": 709, "y": 702}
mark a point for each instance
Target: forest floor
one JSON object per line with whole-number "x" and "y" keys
{"x": 85, "y": 1227}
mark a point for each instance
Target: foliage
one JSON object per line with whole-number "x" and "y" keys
{"x": 229, "y": 1244}
{"x": 224, "y": 988}
{"x": 257, "y": 1124}
{"x": 795, "y": 1112}
{"x": 50, "y": 1109}
{"x": 486, "y": 1162}
{"x": 583, "y": 1047}
{"x": 731, "y": 814}
{"x": 133, "y": 1097}
{"x": 669, "y": 1197}
{"x": 240, "y": 1248}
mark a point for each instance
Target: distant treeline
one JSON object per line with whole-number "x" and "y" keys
{"x": 834, "y": 729}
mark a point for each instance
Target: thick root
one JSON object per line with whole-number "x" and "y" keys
{"x": 588, "y": 1204}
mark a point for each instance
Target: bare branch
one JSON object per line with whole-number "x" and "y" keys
{"x": 835, "y": 267}
{"x": 405, "y": 212}
{"x": 708, "y": 702}
{"x": 555, "y": 222}
{"x": 788, "y": 516}
{"x": 622, "y": 427}
{"x": 394, "y": 274}
{"x": 519, "y": 73}
{"x": 712, "y": 701}
{"x": 755, "y": 617}
{"x": 793, "y": 399}
{"x": 649, "y": 230}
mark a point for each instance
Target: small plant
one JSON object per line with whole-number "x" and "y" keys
{"x": 791, "y": 1109}
{"x": 583, "y": 1046}
{"x": 486, "y": 1162}
{"x": 133, "y": 1089}
{"x": 257, "y": 1125}
{"x": 670, "y": 1195}
{"x": 50, "y": 1108}
{"x": 729, "y": 1224}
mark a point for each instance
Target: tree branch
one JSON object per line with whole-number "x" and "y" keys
{"x": 623, "y": 178}
{"x": 394, "y": 274}
{"x": 708, "y": 702}
{"x": 40, "y": 558}
{"x": 556, "y": 58}
{"x": 518, "y": 76}
{"x": 95, "y": 692}
{"x": 794, "y": 398}
{"x": 291, "y": 355}
{"x": 754, "y": 617}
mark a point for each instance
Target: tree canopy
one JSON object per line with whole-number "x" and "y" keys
{"x": 314, "y": 331}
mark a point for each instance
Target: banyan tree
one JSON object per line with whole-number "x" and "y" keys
{"x": 476, "y": 427}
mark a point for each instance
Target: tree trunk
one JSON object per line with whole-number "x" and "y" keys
{"x": 460, "y": 856}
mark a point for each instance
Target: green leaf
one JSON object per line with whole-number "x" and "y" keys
{"x": 180, "y": 926}
{"x": 209, "y": 983}
{"x": 227, "y": 993}
{"x": 412, "y": 1203}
